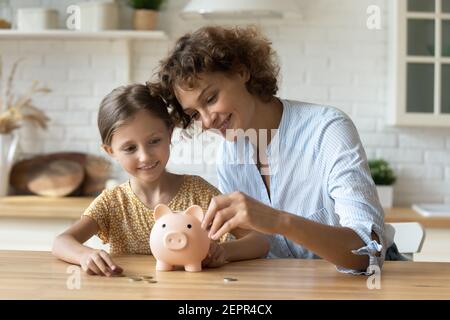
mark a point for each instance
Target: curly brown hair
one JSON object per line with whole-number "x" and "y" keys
{"x": 216, "y": 49}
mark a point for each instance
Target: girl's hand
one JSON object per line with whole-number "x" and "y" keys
{"x": 99, "y": 262}
{"x": 237, "y": 210}
{"x": 216, "y": 256}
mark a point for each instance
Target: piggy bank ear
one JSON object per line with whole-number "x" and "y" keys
{"x": 161, "y": 210}
{"x": 195, "y": 211}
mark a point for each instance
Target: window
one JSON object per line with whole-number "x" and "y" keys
{"x": 422, "y": 63}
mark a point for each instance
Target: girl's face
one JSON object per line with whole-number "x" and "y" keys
{"x": 142, "y": 146}
{"x": 219, "y": 101}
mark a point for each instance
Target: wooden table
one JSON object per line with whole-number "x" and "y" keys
{"x": 38, "y": 275}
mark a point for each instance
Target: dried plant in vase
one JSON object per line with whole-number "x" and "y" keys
{"x": 14, "y": 111}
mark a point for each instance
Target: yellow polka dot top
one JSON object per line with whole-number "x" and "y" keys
{"x": 125, "y": 222}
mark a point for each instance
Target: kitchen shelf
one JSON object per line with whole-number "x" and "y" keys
{"x": 69, "y": 34}
{"x": 43, "y": 207}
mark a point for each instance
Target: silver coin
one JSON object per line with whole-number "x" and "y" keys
{"x": 151, "y": 281}
{"x": 228, "y": 279}
{"x": 134, "y": 279}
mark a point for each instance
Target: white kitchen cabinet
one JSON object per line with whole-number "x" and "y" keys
{"x": 436, "y": 247}
{"x": 36, "y": 234}
{"x": 32, "y": 223}
{"x": 421, "y": 63}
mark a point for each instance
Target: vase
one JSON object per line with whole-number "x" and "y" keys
{"x": 8, "y": 147}
{"x": 145, "y": 19}
{"x": 98, "y": 16}
{"x": 386, "y": 196}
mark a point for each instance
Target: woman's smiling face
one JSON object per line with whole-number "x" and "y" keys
{"x": 219, "y": 101}
{"x": 142, "y": 146}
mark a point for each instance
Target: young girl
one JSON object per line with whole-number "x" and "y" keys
{"x": 136, "y": 131}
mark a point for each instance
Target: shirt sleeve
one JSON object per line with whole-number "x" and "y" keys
{"x": 351, "y": 187}
{"x": 98, "y": 210}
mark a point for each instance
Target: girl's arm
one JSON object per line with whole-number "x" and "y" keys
{"x": 249, "y": 245}
{"x": 68, "y": 246}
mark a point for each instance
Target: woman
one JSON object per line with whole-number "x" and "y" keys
{"x": 309, "y": 187}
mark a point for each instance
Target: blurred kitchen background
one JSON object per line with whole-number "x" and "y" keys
{"x": 386, "y": 63}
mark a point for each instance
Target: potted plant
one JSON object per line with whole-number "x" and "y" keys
{"x": 384, "y": 178}
{"x": 14, "y": 110}
{"x": 145, "y": 13}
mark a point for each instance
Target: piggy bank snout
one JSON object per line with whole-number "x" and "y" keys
{"x": 175, "y": 240}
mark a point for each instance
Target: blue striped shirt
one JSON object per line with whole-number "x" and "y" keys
{"x": 318, "y": 170}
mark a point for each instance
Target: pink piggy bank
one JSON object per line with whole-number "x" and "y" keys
{"x": 178, "y": 239}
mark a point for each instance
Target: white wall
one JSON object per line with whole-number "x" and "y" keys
{"x": 329, "y": 56}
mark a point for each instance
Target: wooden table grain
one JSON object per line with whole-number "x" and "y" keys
{"x": 39, "y": 275}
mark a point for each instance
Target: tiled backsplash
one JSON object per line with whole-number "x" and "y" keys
{"x": 328, "y": 56}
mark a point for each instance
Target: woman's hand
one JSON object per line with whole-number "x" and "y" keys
{"x": 99, "y": 262}
{"x": 216, "y": 256}
{"x": 237, "y": 210}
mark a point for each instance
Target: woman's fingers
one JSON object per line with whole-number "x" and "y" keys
{"x": 216, "y": 204}
{"x": 221, "y": 217}
{"x": 227, "y": 226}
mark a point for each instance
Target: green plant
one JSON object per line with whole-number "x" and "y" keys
{"x": 146, "y": 4}
{"x": 382, "y": 173}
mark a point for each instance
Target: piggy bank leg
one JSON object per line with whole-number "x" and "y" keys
{"x": 195, "y": 267}
{"x": 162, "y": 266}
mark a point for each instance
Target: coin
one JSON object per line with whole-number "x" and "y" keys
{"x": 134, "y": 279}
{"x": 147, "y": 277}
{"x": 228, "y": 279}
{"x": 151, "y": 281}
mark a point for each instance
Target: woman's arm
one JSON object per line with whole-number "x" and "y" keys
{"x": 237, "y": 210}
{"x": 251, "y": 246}
{"x": 329, "y": 242}
{"x": 69, "y": 247}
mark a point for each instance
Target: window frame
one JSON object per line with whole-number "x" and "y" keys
{"x": 400, "y": 116}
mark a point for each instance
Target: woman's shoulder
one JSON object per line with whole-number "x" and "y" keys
{"x": 307, "y": 110}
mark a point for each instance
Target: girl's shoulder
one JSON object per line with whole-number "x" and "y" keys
{"x": 115, "y": 194}
{"x": 198, "y": 185}
{"x": 195, "y": 190}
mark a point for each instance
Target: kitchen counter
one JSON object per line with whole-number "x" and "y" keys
{"x": 39, "y": 275}
{"x": 31, "y": 223}
{"x": 73, "y": 207}
{"x": 409, "y": 215}
{"x": 43, "y": 207}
